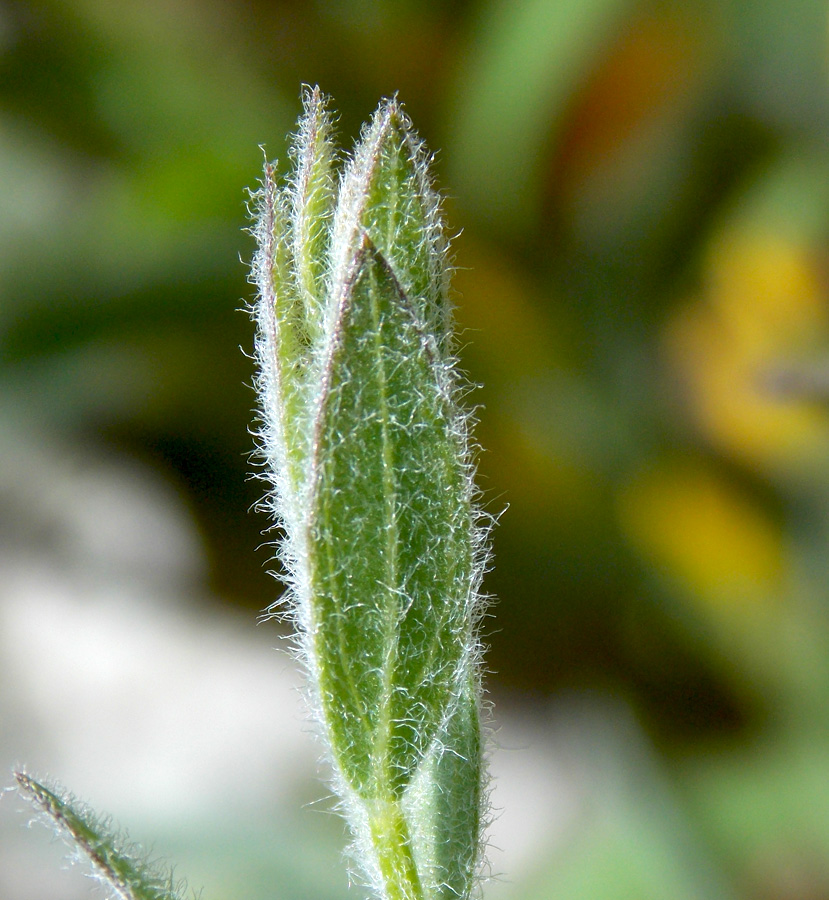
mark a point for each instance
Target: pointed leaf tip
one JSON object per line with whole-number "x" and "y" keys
{"x": 120, "y": 866}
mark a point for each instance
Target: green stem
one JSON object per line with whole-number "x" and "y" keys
{"x": 392, "y": 844}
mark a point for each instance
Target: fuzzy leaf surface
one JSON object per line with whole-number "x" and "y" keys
{"x": 312, "y": 196}
{"x": 387, "y": 193}
{"x": 368, "y": 457}
{"x": 444, "y": 802}
{"x": 389, "y": 537}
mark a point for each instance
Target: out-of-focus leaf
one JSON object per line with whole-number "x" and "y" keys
{"x": 779, "y": 50}
{"x": 516, "y": 80}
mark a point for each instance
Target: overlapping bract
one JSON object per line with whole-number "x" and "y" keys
{"x": 367, "y": 449}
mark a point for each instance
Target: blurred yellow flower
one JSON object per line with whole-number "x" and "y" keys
{"x": 764, "y": 314}
{"x": 704, "y": 533}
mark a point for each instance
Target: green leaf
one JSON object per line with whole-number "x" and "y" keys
{"x": 445, "y": 800}
{"x": 282, "y": 343}
{"x": 381, "y": 544}
{"x": 387, "y": 193}
{"x": 312, "y": 197}
{"x": 389, "y": 537}
{"x": 514, "y": 87}
{"x": 118, "y": 865}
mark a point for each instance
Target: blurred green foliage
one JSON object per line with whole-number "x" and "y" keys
{"x": 643, "y": 193}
